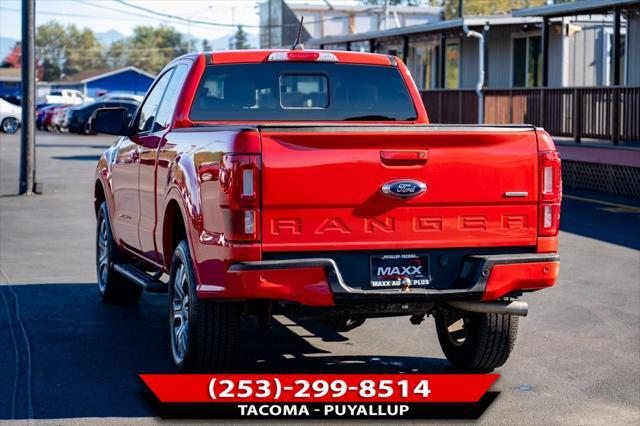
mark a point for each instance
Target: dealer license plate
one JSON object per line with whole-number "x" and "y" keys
{"x": 389, "y": 270}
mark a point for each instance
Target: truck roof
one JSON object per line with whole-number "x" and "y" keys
{"x": 261, "y": 55}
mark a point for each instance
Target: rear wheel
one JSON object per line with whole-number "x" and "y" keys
{"x": 10, "y": 125}
{"x": 112, "y": 287}
{"x": 203, "y": 334}
{"x": 86, "y": 128}
{"x": 476, "y": 341}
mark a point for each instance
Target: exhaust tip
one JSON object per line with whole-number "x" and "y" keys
{"x": 504, "y": 307}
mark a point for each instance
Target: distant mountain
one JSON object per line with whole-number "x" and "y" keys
{"x": 222, "y": 43}
{"x": 6, "y": 44}
{"x": 109, "y": 37}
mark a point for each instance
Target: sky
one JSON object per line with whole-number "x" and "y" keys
{"x": 105, "y": 15}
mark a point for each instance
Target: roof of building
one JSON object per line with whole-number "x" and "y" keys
{"x": 578, "y": 7}
{"x": 426, "y": 10}
{"x": 10, "y": 74}
{"x": 469, "y": 21}
{"x": 91, "y": 75}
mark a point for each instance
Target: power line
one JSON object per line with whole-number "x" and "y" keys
{"x": 180, "y": 18}
{"x": 73, "y": 15}
{"x": 218, "y": 24}
{"x": 103, "y": 6}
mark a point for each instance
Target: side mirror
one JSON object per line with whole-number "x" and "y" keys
{"x": 112, "y": 121}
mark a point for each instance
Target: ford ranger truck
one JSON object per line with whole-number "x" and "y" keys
{"x": 310, "y": 183}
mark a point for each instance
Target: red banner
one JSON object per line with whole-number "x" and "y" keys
{"x": 309, "y": 388}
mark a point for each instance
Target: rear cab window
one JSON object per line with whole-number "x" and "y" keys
{"x": 290, "y": 91}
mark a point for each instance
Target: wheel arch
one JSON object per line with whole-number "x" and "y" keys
{"x": 174, "y": 230}
{"x": 99, "y": 196}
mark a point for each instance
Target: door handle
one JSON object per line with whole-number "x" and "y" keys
{"x": 404, "y": 156}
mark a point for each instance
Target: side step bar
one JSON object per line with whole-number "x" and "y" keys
{"x": 496, "y": 307}
{"x": 138, "y": 276}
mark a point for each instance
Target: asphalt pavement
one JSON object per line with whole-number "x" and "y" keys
{"x": 64, "y": 355}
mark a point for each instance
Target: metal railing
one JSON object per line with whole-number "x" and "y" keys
{"x": 608, "y": 113}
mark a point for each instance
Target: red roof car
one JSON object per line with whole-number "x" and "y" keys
{"x": 311, "y": 182}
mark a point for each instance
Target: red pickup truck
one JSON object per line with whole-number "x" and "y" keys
{"x": 311, "y": 183}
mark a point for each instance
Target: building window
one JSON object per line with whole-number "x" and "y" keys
{"x": 393, "y": 47}
{"x": 423, "y": 64}
{"x": 452, "y": 65}
{"x": 527, "y": 61}
{"x": 361, "y": 46}
{"x": 336, "y": 46}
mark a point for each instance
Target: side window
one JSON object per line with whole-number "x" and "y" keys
{"x": 170, "y": 98}
{"x": 146, "y": 119}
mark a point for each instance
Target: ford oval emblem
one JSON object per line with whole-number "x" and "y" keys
{"x": 403, "y": 188}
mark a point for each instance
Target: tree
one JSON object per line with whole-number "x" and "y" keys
{"x": 51, "y": 44}
{"x": 240, "y": 40}
{"x": 381, "y": 3}
{"x": 484, "y": 7}
{"x": 83, "y": 51}
{"x": 149, "y": 48}
{"x": 51, "y": 70}
{"x": 206, "y": 46}
{"x": 65, "y": 51}
{"x": 14, "y": 58}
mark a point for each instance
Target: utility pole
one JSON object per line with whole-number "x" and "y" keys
{"x": 386, "y": 14}
{"x": 27, "y": 140}
{"x": 269, "y": 26}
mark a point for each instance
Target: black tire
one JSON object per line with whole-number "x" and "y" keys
{"x": 10, "y": 125}
{"x": 112, "y": 287}
{"x": 483, "y": 343}
{"x": 86, "y": 129}
{"x": 211, "y": 328}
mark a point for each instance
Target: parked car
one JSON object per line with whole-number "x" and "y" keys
{"x": 77, "y": 118}
{"x": 40, "y": 114}
{"x": 66, "y": 96}
{"x": 10, "y": 116}
{"x": 311, "y": 182}
{"x": 53, "y": 117}
{"x": 13, "y": 99}
{"x": 120, "y": 96}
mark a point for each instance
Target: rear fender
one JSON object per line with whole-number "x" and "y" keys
{"x": 103, "y": 182}
{"x": 184, "y": 191}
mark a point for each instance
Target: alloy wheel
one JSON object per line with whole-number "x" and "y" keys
{"x": 180, "y": 307}
{"x": 10, "y": 125}
{"x": 103, "y": 254}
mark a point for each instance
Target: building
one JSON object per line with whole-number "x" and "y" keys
{"x": 579, "y": 51}
{"x": 619, "y": 42}
{"x": 572, "y": 68}
{"x": 279, "y": 20}
{"x": 10, "y": 81}
{"x": 99, "y": 82}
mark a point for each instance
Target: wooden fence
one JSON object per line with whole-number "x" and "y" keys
{"x": 607, "y": 113}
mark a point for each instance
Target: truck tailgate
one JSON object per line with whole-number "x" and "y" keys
{"x": 322, "y": 187}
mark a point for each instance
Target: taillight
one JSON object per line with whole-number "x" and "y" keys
{"x": 302, "y": 55}
{"x": 550, "y": 193}
{"x": 240, "y": 196}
